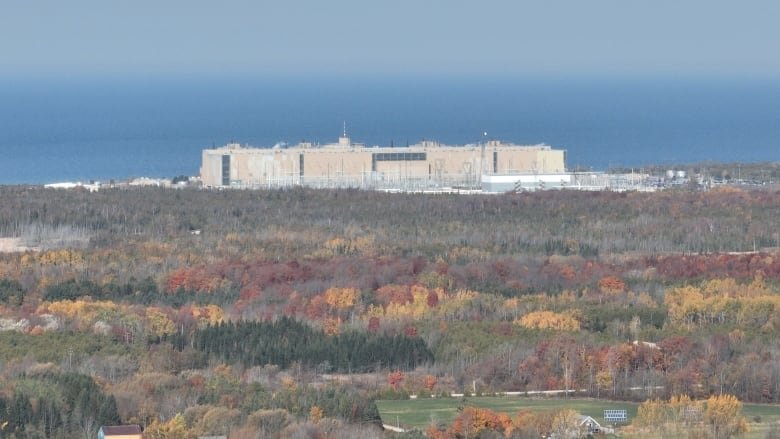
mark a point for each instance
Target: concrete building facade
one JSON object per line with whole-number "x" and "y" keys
{"x": 345, "y": 164}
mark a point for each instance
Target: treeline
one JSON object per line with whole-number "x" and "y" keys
{"x": 334, "y": 401}
{"x": 293, "y": 223}
{"x": 286, "y": 341}
{"x": 48, "y": 403}
{"x": 56, "y": 405}
{"x": 246, "y": 280}
{"x": 144, "y": 291}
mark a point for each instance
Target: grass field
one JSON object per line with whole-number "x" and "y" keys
{"x": 422, "y": 412}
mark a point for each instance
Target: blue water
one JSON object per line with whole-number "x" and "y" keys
{"x": 81, "y": 130}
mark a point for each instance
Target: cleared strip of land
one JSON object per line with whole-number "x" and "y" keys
{"x": 13, "y": 245}
{"x": 423, "y": 412}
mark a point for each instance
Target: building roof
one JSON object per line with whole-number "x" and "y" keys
{"x": 345, "y": 144}
{"x": 120, "y": 430}
{"x": 589, "y": 421}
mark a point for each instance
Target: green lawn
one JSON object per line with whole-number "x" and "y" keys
{"x": 422, "y": 412}
{"x": 769, "y": 414}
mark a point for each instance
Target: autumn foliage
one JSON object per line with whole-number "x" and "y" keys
{"x": 550, "y": 320}
{"x": 719, "y": 416}
{"x": 618, "y": 295}
{"x": 395, "y": 378}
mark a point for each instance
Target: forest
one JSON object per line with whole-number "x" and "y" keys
{"x": 287, "y": 313}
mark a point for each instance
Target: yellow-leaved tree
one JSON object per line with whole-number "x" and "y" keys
{"x": 566, "y": 425}
{"x": 342, "y": 298}
{"x": 158, "y": 323}
{"x": 653, "y": 418}
{"x": 550, "y": 320}
{"x": 723, "y": 416}
{"x": 175, "y": 428}
{"x": 316, "y": 414}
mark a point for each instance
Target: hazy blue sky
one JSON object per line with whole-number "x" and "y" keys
{"x": 398, "y": 37}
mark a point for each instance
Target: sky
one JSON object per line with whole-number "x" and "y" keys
{"x": 377, "y": 38}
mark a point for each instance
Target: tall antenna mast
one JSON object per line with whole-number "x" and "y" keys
{"x": 344, "y": 140}
{"x": 482, "y": 155}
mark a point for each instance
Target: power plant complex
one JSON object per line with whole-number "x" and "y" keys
{"x": 425, "y": 165}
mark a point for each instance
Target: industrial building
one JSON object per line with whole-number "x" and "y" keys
{"x": 425, "y": 165}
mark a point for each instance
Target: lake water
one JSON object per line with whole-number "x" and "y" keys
{"x": 80, "y": 130}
